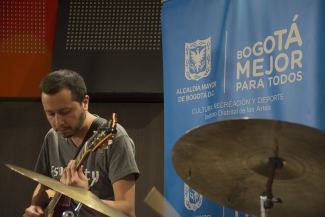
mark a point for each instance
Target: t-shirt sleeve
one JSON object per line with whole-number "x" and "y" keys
{"x": 42, "y": 164}
{"x": 122, "y": 159}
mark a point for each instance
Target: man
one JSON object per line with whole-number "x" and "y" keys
{"x": 65, "y": 102}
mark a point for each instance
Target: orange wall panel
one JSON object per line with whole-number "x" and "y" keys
{"x": 27, "y": 31}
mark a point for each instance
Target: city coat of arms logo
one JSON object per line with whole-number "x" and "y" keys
{"x": 198, "y": 59}
{"x": 192, "y": 199}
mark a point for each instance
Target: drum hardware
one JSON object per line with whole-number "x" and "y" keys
{"x": 83, "y": 196}
{"x": 156, "y": 201}
{"x": 230, "y": 161}
{"x": 267, "y": 199}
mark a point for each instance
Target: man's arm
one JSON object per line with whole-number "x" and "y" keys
{"x": 41, "y": 195}
{"x": 124, "y": 195}
{"x": 39, "y": 200}
{"x": 124, "y": 188}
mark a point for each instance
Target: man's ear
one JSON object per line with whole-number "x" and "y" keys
{"x": 85, "y": 102}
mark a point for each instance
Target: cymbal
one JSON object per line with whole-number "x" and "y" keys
{"x": 83, "y": 196}
{"x": 227, "y": 162}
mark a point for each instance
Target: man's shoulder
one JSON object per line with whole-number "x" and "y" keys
{"x": 120, "y": 131}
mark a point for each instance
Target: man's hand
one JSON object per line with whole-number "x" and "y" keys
{"x": 73, "y": 177}
{"x": 33, "y": 211}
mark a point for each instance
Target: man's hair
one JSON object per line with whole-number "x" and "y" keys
{"x": 64, "y": 78}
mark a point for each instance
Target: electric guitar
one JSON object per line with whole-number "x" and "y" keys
{"x": 105, "y": 132}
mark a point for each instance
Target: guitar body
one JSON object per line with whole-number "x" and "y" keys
{"x": 54, "y": 210}
{"x": 62, "y": 206}
{"x": 59, "y": 210}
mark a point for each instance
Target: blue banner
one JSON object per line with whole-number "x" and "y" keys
{"x": 226, "y": 59}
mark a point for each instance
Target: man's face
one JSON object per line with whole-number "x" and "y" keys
{"x": 65, "y": 116}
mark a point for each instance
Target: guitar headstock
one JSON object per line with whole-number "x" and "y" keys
{"x": 110, "y": 126}
{"x": 104, "y": 132}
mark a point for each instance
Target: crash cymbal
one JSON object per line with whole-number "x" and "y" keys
{"x": 227, "y": 162}
{"x": 83, "y": 196}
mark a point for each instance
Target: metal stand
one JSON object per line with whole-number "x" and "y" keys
{"x": 69, "y": 214}
{"x": 266, "y": 199}
{"x": 264, "y": 212}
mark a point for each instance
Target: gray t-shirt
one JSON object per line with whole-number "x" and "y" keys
{"x": 108, "y": 164}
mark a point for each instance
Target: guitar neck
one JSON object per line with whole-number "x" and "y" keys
{"x": 96, "y": 143}
{"x": 82, "y": 155}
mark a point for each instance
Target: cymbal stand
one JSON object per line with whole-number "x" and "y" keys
{"x": 77, "y": 209}
{"x": 266, "y": 199}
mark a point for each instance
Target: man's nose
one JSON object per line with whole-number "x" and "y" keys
{"x": 58, "y": 120}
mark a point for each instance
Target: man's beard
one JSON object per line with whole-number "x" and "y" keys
{"x": 78, "y": 125}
